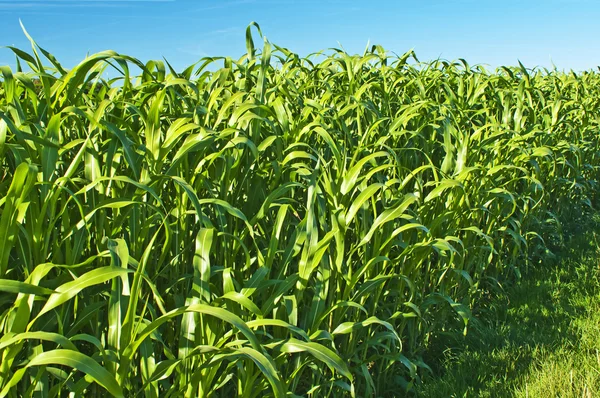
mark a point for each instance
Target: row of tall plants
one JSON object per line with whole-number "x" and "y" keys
{"x": 273, "y": 225}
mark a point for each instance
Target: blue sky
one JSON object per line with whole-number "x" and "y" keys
{"x": 539, "y": 33}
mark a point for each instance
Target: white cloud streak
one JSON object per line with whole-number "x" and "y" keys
{"x": 69, "y": 2}
{"x": 197, "y": 50}
{"x": 39, "y": 4}
{"x": 219, "y": 5}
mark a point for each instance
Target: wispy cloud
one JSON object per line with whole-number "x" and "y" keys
{"x": 197, "y": 50}
{"x": 69, "y": 2}
{"x": 219, "y": 5}
{"x": 88, "y": 29}
{"x": 37, "y": 4}
{"x": 341, "y": 12}
{"x": 226, "y": 31}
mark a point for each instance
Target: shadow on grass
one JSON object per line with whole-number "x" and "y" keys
{"x": 536, "y": 319}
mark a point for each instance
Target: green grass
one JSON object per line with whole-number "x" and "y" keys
{"x": 540, "y": 338}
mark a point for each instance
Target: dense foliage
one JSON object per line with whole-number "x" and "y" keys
{"x": 274, "y": 224}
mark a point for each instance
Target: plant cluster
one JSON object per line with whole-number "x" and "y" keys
{"x": 274, "y": 224}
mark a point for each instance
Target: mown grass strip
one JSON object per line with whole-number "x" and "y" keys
{"x": 539, "y": 338}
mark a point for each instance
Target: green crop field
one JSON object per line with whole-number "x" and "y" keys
{"x": 272, "y": 225}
